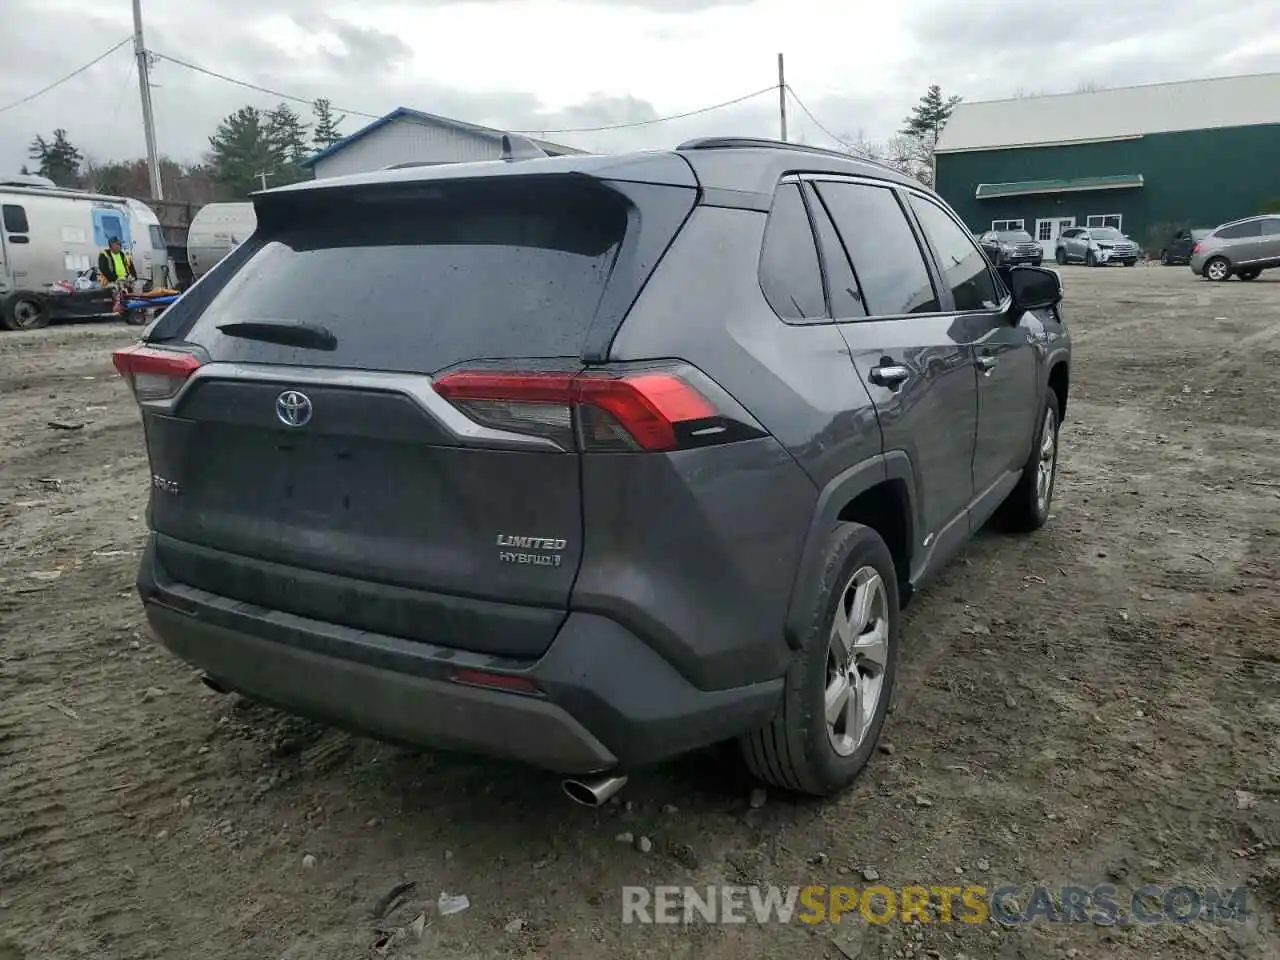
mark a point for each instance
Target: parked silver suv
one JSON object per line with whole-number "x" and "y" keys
{"x": 1095, "y": 247}
{"x": 1242, "y": 248}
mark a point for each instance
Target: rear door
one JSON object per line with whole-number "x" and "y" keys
{"x": 1004, "y": 357}
{"x": 911, "y": 351}
{"x": 312, "y": 464}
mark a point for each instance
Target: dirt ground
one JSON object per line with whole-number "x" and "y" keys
{"x": 1097, "y": 703}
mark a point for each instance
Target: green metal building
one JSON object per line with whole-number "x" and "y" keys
{"x": 1143, "y": 159}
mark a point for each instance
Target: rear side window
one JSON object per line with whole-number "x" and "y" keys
{"x": 964, "y": 267}
{"x": 1271, "y": 228}
{"x": 886, "y": 258}
{"x": 15, "y": 218}
{"x": 422, "y": 281}
{"x": 789, "y": 273}
{"x": 1239, "y": 231}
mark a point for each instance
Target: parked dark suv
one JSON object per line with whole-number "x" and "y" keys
{"x": 589, "y": 461}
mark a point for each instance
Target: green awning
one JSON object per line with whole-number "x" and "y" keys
{"x": 1022, "y": 188}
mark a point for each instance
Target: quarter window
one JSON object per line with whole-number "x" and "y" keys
{"x": 789, "y": 271}
{"x": 882, "y": 247}
{"x": 965, "y": 268}
{"x": 15, "y": 219}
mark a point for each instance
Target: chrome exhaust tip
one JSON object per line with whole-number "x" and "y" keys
{"x": 593, "y": 793}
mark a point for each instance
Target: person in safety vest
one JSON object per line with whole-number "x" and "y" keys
{"x": 115, "y": 269}
{"x": 115, "y": 265}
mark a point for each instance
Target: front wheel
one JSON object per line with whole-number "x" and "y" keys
{"x": 1027, "y": 506}
{"x": 1218, "y": 269}
{"x": 1249, "y": 274}
{"x": 1164, "y": 258}
{"x": 1060, "y": 255}
{"x": 838, "y": 688}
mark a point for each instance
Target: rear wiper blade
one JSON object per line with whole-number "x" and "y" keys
{"x": 288, "y": 333}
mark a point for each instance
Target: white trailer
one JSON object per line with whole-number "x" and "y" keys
{"x": 51, "y": 236}
{"x": 216, "y": 230}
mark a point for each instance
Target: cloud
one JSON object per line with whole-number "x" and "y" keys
{"x": 551, "y": 64}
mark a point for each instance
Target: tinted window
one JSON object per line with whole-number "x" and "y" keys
{"x": 1250, "y": 228}
{"x": 157, "y": 237}
{"x": 964, "y": 266}
{"x": 879, "y": 241}
{"x": 842, "y": 286}
{"x": 1271, "y": 228}
{"x": 421, "y": 282}
{"x": 15, "y": 219}
{"x": 789, "y": 272}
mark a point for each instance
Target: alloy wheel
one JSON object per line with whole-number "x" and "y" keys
{"x": 1048, "y": 460}
{"x": 857, "y": 655}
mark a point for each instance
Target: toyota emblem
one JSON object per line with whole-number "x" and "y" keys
{"x": 293, "y": 409}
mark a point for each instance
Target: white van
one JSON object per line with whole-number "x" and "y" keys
{"x": 49, "y": 236}
{"x": 216, "y": 230}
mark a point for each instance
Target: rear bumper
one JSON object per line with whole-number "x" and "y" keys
{"x": 608, "y": 701}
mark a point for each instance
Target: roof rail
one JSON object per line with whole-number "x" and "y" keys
{"x": 404, "y": 164}
{"x": 739, "y": 143}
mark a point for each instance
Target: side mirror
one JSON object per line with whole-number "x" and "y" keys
{"x": 1034, "y": 288}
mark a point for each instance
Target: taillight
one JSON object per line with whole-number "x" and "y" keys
{"x": 154, "y": 374}
{"x": 650, "y": 410}
{"x": 1195, "y": 249}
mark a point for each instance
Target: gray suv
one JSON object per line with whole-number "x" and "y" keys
{"x": 1242, "y": 248}
{"x": 590, "y": 461}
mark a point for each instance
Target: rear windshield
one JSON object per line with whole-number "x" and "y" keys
{"x": 1014, "y": 236}
{"x": 422, "y": 281}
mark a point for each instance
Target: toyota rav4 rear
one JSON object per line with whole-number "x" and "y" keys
{"x": 397, "y": 485}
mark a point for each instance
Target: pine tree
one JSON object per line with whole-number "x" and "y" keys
{"x": 58, "y": 160}
{"x": 326, "y": 132}
{"x": 288, "y": 135}
{"x": 241, "y": 151}
{"x": 923, "y": 128}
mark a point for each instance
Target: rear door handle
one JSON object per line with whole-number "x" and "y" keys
{"x": 889, "y": 376}
{"x": 986, "y": 364}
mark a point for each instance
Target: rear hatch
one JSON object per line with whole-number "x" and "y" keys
{"x": 325, "y": 445}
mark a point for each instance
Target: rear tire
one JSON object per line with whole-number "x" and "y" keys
{"x": 856, "y": 609}
{"x": 24, "y": 311}
{"x": 1027, "y": 507}
{"x": 1218, "y": 269}
{"x": 1164, "y": 258}
{"x": 1249, "y": 274}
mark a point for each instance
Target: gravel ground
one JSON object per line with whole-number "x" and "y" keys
{"x": 1097, "y": 703}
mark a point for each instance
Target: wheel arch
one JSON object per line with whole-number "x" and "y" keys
{"x": 878, "y": 493}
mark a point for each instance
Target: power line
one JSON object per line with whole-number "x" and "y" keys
{"x": 124, "y": 89}
{"x": 371, "y": 116}
{"x": 260, "y": 89}
{"x": 74, "y": 73}
{"x": 645, "y": 123}
{"x": 817, "y": 123}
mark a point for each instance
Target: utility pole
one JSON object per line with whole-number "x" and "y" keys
{"x": 262, "y": 175}
{"x": 782, "y": 96}
{"x": 144, "y": 87}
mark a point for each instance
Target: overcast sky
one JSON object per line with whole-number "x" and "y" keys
{"x": 547, "y": 64}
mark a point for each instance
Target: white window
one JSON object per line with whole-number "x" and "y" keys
{"x": 1103, "y": 220}
{"x": 1044, "y": 230}
{"x": 1002, "y": 225}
